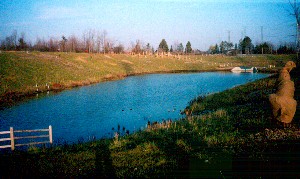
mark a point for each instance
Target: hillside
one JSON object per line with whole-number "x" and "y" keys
{"x": 24, "y": 74}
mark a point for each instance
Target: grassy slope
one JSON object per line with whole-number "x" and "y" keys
{"x": 235, "y": 138}
{"x": 20, "y": 72}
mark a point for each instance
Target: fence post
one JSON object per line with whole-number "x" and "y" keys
{"x": 12, "y": 139}
{"x": 50, "y": 134}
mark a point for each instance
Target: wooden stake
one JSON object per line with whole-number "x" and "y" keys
{"x": 12, "y": 140}
{"x": 50, "y": 134}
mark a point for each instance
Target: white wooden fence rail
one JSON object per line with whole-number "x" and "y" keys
{"x": 12, "y": 138}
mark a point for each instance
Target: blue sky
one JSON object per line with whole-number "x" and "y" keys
{"x": 202, "y": 22}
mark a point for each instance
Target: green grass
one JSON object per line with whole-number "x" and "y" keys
{"x": 21, "y": 72}
{"x": 210, "y": 143}
{"x": 229, "y": 134}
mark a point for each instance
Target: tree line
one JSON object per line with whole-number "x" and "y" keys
{"x": 97, "y": 42}
{"x": 175, "y": 48}
{"x": 245, "y": 46}
{"x": 91, "y": 42}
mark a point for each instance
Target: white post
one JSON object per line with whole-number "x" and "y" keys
{"x": 50, "y": 134}
{"x": 12, "y": 139}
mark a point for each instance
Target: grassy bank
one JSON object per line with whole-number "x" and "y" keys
{"x": 24, "y": 74}
{"x": 229, "y": 134}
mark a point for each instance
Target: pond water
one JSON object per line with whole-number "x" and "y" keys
{"x": 92, "y": 111}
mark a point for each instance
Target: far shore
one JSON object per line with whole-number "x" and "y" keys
{"x": 74, "y": 70}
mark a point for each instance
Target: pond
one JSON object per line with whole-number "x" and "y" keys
{"x": 96, "y": 111}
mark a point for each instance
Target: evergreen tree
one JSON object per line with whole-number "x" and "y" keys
{"x": 217, "y": 50}
{"x": 180, "y": 48}
{"x": 263, "y": 48}
{"x": 286, "y": 49}
{"x": 188, "y": 47}
{"x": 163, "y": 46}
{"x": 246, "y": 45}
{"x": 222, "y": 46}
{"x": 22, "y": 44}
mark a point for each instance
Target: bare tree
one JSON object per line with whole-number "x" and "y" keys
{"x": 88, "y": 38}
{"x": 98, "y": 42}
{"x": 147, "y": 49}
{"x": 53, "y": 45}
{"x": 136, "y": 47}
{"x": 41, "y": 45}
{"x": 175, "y": 47}
{"x": 14, "y": 38}
{"x": 109, "y": 45}
{"x": 73, "y": 43}
{"x": 63, "y": 43}
{"x": 9, "y": 44}
{"x": 295, "y": 11}
{"x": 2, "y": 46}
{"x": 104, "y": 42}
{"x": 91, "y": 40}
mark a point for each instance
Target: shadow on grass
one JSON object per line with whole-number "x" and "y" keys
{"x": 103, "y": 163}
{"x": 18, "y": 165}
{"x": 277, "y": 160}
{"x": 91, "y": 160}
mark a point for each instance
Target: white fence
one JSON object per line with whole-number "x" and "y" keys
{"x": 46, "y": 134}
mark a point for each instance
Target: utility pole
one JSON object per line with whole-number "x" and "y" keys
{"x": 262, "y": 34}
{"x": 262, "y": 39}
{"x": 104, "y": 34}
{"x": 229, "y": 36}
